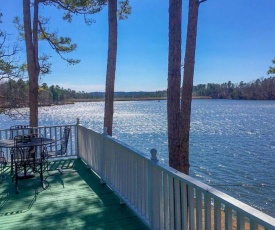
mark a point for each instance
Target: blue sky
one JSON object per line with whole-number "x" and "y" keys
{"x": 235, "y": 43}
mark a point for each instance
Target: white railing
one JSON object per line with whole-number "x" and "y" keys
{"x": 162, "y": 197}
{"x": 53, "y": 132}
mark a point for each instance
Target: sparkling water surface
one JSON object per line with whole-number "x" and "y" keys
{"x": 232, "y": 143}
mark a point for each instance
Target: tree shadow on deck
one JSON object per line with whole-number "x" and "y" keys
{"x": 73, "y": 200}
{"x": 12, "y": 203}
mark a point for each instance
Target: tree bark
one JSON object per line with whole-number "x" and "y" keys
{"x": 111, "y": 66}
{"x": 179, "y": 109}
{"x": 174, "y": 81}
{"x": 32, "y": 58}
{"x": 187, "y": 87}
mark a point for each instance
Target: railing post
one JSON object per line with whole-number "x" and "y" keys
{"x": 102, "y": 156}
{"x": 76, "y": 137}
{"x": 105, "y": 131}
{"x": 154, "y": 157}
{"x": 151, "y": 190}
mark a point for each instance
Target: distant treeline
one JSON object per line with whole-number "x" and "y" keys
{"x": 140, "y": 94}
{"x": 261, "y": 89}
{"x": 14, "y": 94}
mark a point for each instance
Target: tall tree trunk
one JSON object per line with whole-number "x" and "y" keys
{"x": 174, "y": 79}
{"x": 111, "y": 66}
{"x": 32, "y": 58}
{"x": 187, "y": 87}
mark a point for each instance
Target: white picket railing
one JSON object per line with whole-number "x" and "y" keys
{"x": 162, "y": 197}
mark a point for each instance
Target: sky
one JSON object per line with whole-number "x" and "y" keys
{"x": 235, "y": 42}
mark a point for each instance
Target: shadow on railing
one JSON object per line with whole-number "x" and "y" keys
{"x": 161, "y": 196}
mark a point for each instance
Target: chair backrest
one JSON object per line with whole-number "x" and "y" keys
{"x": 64, "y": 140}
{"x": 37, "y": 151}
{"x": 27, "y": 148}
{"x": 17, "y": 130}
{"x": 19, "y": 153}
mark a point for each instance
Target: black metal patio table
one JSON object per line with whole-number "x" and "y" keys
{"x": 25, "y": 143}
{"x": 9, "y": 143}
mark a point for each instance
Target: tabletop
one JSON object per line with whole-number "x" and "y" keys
{"x": 9, "y": 143}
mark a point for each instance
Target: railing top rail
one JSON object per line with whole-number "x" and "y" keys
{"x": 44, "y": 126}
{"x": 55, "y": 126}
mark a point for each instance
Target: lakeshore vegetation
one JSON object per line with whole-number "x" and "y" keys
{"x": 14, "y": 93}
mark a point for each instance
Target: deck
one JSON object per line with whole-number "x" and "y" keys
{"x": 77, "y": 199}
{"x": 74, "y": 200}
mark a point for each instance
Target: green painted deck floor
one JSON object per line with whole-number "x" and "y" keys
{"x": 73, "y": 200}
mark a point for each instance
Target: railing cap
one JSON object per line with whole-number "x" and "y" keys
{"x": 154, "y": 157}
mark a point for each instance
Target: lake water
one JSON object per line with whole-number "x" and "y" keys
{"x": 232, "y": 143}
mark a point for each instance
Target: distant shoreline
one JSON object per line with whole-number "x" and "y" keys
{"x": 126, "y": 99}
{"x": 72, "y": 101}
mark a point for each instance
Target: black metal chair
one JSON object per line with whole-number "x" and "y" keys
{"x": 58, "y": 149}
{"x": 28, "y": 152}
{"x": 20, "y": 130}
{"x": 3, "y": 163}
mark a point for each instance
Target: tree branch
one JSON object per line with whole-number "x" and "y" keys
{"x": 57, "y": 44}
{"x": 124, "y": 10}
{"x": 202, "y": 1}
{"x": 77, "y": 7}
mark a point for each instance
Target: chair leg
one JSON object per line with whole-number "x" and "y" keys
{"x": 1, "y": 171}
{"x": 16, "y": 180}
{"x": 47, "y": 164}
{"x": 41, "y": 175}
{"x": 41, "y": 171}
{"x": 60, "y": 170}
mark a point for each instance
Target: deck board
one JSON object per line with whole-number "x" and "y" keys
{"x": 74, "y": 200}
